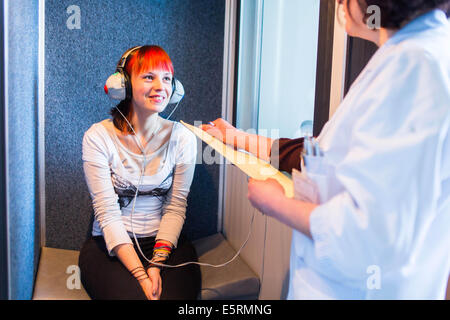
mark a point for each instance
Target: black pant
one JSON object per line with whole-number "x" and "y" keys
{"x": 106, "y": 278}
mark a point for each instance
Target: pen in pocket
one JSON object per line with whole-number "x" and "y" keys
{"x": 317, "y": 151}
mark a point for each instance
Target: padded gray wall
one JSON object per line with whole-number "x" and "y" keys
{"x": 22, "y": 81}
{"x": 77, "y": 63}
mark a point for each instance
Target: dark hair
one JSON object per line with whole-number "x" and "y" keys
{"x": 119, "y": 122}
{"x": 396, "y": 13}
{"x": 144, "y": 58}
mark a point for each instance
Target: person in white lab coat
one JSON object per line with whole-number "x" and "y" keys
{"x": 384, "y": 231}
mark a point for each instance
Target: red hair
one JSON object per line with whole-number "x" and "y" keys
{"x": 148, "y": 58}
{"x": 145, "y": 58}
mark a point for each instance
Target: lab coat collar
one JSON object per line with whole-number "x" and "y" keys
{"x": 432, "y": 19}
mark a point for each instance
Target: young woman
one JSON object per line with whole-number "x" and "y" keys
{"x": 383, "y": 233}
{"x": 112, "y": 266}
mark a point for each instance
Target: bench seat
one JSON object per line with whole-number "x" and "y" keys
{"x": 57, "y": 267}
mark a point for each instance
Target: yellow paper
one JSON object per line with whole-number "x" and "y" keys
{"x": 248, "y": 163}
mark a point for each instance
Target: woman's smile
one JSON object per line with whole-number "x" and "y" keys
{"x": 157, "y": 99}
{"x": 152, "y": 89}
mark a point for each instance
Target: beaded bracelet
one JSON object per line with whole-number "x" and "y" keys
{"x": 161, "y": 252}
{"x": 137, "y": 273}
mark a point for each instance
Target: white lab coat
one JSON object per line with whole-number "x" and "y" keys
{"x": 385, "y": 233}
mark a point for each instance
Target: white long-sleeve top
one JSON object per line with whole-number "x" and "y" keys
{"x": 385, "y": 233}
{"x": 112, "y": 175}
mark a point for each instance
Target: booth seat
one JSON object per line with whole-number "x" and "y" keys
{"x": 57, "y": 274}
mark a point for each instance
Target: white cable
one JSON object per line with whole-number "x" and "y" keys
{"x": 173, "y": 110}
{"x": 134, "y": 202}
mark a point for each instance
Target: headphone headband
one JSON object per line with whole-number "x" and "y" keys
{"x": 123, "y": 59}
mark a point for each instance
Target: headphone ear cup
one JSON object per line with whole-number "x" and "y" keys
{"x": 115, "y": 86}
{"x": 173, "y": 87}
{"x": 118, "y": 85}
{"x": 177, "y": 92}
{"x": 127, "y": 82}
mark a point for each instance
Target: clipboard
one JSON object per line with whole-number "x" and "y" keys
{"x": 248, "y": 163}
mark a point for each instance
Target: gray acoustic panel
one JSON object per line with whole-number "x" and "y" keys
{"x": 21, "y": 53}
{"x": 77, "y": 63}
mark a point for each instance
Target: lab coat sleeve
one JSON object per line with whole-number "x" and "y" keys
{"x": 104, "y": 199}
{"x": 174, "y": 211}
{"x": 389, "y": 175}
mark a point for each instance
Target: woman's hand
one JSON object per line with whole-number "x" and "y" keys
{"x": 155, "y": 277}
{"x": 263, "y": 195}
{"x": 152, "y": 285}
{"x": 147, "y": 287}
{"x": 222, "y": 130}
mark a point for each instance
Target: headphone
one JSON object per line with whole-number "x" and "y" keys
{"x": 118, "y": 85}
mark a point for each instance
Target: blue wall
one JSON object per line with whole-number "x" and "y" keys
{"x": 77, "y": 63}
{"x": 22, "y": 55}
